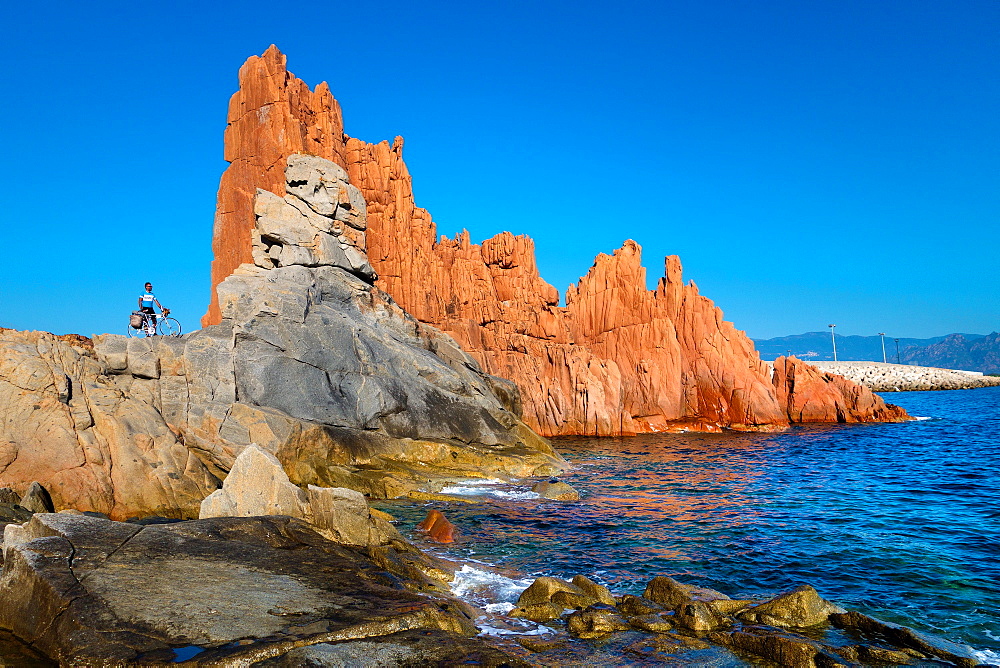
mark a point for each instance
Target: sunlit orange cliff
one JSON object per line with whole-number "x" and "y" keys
{"x": 617, "y": 359}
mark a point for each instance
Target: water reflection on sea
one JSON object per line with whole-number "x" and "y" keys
{"x": 899, "y": 521}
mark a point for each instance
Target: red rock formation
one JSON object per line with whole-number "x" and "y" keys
{"x": 810, "y": 395}
{"x": 437, "y": 527}
{"x": 617, "y": 359}
{"x": 271, "y": 116}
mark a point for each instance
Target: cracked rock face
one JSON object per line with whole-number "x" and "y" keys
{"x": 89, "y": 591}
{"x": 311, "y": 362}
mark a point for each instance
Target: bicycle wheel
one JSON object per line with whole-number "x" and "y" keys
{"x": 169, "y": 327}
{"x": 140, "y": 333}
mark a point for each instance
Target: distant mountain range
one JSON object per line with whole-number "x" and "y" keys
{"x": 974, "y": 352}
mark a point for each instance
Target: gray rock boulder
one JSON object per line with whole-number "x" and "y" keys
{"x": 257, "y": 485}
{"x": 37, "y": 499}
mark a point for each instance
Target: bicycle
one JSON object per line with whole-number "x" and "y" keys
{"x": 151, "y": 324}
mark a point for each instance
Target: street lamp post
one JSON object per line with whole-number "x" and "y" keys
{"x": 897, "y": 350}
{"x": 882, "y": 334}
{"x": 834, "y": 339}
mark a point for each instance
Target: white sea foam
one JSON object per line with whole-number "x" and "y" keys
{"x": 987, "y": 657}
{"x": 917, "y": 417}
{"x": 516, "y": 494}
{"x": 518, "y": 627}
{"x": 475, "y": 583}
{"x": 486, "y": 488}
{"x": 461, "y": 490}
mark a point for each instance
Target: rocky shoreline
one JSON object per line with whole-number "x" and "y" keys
{"x": 679, "y": 623}
{"x": 272, "y": 575}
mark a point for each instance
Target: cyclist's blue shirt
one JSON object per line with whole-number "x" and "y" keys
{"x": 147, "y": 299}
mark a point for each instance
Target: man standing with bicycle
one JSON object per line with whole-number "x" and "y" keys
{"x": 146, "y": 301}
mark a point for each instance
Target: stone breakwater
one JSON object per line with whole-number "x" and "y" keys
{"x": 881, "y": 377}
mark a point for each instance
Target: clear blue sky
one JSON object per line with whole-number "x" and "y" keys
{"x": 811, "y": 162}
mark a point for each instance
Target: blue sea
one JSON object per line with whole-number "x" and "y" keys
{"x": 899, "y": 521}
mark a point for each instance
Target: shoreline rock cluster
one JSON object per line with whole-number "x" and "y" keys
{"x": 882, "y": 377}
{"x": 269, "y": 575}
{"x": 274, "y": 575}
{"x": 794, "y": 628}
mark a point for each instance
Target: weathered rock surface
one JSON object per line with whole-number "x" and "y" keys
{"x": 257, "y": 485}
{"x": 311, "y": 362}
{"x": 617, "y": 359}
{"x": 37, "y": 499}
{"x": 408, "y": 648}
{"x": 599, "y": 592}
{"x": 800, "y": 607}
{"x": 95, "y": 440}
{"x": 783, "y": 649}
{"x": 671, "y": 594}
{"x": 595, "y": 621}
{"x": 88, "y": 591}
{"x": 638, "y": 605}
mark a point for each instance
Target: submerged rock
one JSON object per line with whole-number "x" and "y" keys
{"x": 555, "y": 490}
{"x": 89, "y": 591}
{"x": 905, "y": 638}
{"x": 437, "y": 527}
